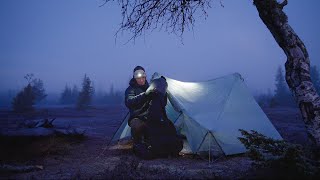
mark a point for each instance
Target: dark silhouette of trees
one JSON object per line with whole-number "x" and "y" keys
{"x": 282, "y": 95}
{"x": 265, "y": 99}
{"x": 113, "y": 97}
{"x": 177, "y": 15}
{"x": 66, "y": 96}
{"x": 74, "y": 94}
{"x": 34, "y": 92}
{"x": 6, "y": 97}
{"x": 38, "y": 89}
{"x": 281, "y": 90}
{"x": 69, "y": 96}
{"x": 86, "y": 93}
{"x": 24, "y": 100}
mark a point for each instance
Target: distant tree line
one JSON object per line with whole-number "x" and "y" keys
{"x": 34, "y": 93}
{"x": 6, "y": 97}
{"x": 110, "y": 98}
{"x": 69, "y": 96}
{"x": 282, "y": 95}
{"x": 87, "y": 95}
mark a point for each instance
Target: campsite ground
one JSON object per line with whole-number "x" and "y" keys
{"x": 68, "y": 158}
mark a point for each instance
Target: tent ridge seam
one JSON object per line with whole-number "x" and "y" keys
{"x": 226, "y": 101}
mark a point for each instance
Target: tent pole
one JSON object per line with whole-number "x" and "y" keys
{"x": 104, "y": 149}
{"x": 118, "y": 128}
{"x": 202, "y": 142}
{"x": 217, "y": 144}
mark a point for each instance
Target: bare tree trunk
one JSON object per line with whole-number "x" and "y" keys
{"x": 297, "y": 65}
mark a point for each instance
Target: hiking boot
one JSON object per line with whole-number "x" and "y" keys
{"x": 143, "y": 151}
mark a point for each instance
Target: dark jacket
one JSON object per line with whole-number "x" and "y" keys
{"x": 139, "y": 103}
{"x": 136, "y": 100}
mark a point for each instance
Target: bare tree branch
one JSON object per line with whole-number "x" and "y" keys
{"x": 140, "y": 16}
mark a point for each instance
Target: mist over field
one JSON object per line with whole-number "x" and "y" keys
{"x": 60, "y": 41}
{"x": 67, "y": 110}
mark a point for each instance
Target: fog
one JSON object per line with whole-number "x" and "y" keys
{"x": 59, "y": 41}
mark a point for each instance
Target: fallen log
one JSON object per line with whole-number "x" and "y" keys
{"x": 42, "y": 132}
{"x": 46, "y": 123}
{"x": 19, "y": 168}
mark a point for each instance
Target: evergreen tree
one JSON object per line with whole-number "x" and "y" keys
{"x": 24, "y": 100}
{"x": 281, "y": 86}
{"x": 85, "y": 96}
{"x": 69, "y": 96}
{"x": 38, "y": 89}
{"x": 282, "y": 95}
{"x": 66, "y": 96}
{"x": 74, "y": 94}
{"x": 265, "y": 99}
{"x": 34, "y": 92}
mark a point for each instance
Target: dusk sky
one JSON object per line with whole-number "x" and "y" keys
{"x": 61, "y": 40}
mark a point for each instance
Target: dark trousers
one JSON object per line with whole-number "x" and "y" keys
{"x": 157, "y": 133}
{"x": 138, "y": 129}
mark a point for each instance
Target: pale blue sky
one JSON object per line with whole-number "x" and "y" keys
{"x": 60, "y": 40}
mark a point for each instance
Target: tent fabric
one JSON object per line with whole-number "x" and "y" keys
{"x": 210, "y": 114}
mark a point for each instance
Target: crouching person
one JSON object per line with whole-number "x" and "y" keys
{"x": 154, "y": 135}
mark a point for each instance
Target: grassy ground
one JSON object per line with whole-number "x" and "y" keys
{"x": 74, "y": 157}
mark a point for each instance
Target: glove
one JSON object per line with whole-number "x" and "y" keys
{"x": 150, "y": 90}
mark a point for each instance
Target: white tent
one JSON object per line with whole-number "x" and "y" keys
{"x": 210, "y": 114}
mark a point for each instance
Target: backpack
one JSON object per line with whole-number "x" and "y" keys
{"x": 160, "y": 138}
{"x": 163, "y": 139}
